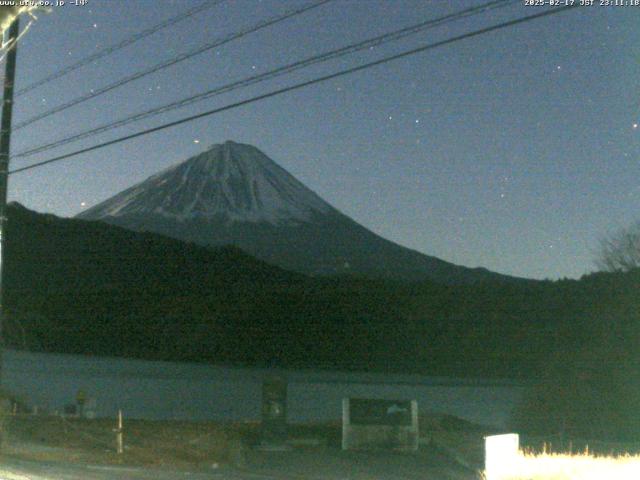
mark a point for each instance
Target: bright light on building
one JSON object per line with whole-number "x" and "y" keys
{"x": 501, "y": 455}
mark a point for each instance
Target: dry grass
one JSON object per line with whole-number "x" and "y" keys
{"x": 176, "y": 444}
{"x": 582, "y": 466}
{"x": 148, "y": 443}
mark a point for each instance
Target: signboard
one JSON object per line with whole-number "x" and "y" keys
{"x": 364, "y": 411}
{"x": 379, "y": 424}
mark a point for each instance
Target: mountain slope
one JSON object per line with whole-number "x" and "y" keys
{"x": 234, "y": 194}
{"x": 88, "y": 287}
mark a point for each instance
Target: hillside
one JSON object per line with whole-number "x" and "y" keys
{"x": 87, "y": 287}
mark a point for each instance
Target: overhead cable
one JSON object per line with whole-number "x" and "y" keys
{"x": 300, "y": 85}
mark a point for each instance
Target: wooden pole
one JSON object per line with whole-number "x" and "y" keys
{"x": 5, "y": 140}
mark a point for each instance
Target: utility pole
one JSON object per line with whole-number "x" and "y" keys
{"x": 5, "y": 140}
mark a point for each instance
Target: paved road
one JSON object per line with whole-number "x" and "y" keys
{"x": 12, "y": 469}
{"x": 334, "y": 464}
{"x": 295, "y": 465}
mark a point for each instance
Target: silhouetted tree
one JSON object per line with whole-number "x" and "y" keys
{"x": 620, "y": 251}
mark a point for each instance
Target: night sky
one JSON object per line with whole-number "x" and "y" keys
{"x": 515, "y": 150}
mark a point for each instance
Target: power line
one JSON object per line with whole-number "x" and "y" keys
{"x": 301, "y": 85}
{"x": 119, "y": 46}
{"x": 333, "y": 54}
{"x": 171, "y": 62}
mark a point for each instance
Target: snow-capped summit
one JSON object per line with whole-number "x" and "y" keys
{"x": 231, "y": 181}
{"x": 235, "y": 194}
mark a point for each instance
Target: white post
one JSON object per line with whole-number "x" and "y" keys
{"x": 415, "y": 425}
{"x": 346, "y": 424}
{"x": 119, "y": 435}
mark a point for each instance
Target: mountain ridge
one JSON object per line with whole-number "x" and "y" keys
{"x": 235, "y": 194}
{"x": 228, "y": 179}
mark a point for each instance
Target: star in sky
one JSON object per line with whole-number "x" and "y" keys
{"x": 467, "y": 110}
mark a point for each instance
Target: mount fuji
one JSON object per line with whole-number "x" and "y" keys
{"x": 234, "y": 194}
